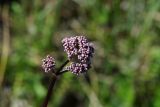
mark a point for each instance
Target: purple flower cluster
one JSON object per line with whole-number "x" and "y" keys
{"x": 48, "y": 63}
{"x": 78, "y": 46}
{"x": 80, "y": 52}
{"x": 77, "y": 68}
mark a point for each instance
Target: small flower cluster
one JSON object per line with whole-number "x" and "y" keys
{"x": 78, "y": 46}
{"x": 48, "y": 63}
{"x": 80, "y": 52}
{"x": 77, "y": 68}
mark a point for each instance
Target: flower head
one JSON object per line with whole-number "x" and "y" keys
{"x": 80, "y": 52}
{"x": 78, "y": 47}
{"x": 78, "y": 68}
{"x": 48, "y": 63}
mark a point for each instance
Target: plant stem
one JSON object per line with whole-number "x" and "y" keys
{"x": 49, "y": 93}
{"x": 61, "y": 67}
{"x": 52, "y": 83}
{"x": 60, "y": 73}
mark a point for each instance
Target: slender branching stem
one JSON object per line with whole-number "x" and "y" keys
{"x": 61, "y": 67}
{"x": 60, "y": 73}
{"x": 49, "y": 93}
{"x": 52, "y": 83}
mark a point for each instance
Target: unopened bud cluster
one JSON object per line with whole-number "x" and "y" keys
{"x": 80, "y": 52}
{"x": 48, "y": 63}
{"x": 77, "y": 68}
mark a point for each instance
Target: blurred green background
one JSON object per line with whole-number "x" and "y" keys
{"x": 126, "y": 65}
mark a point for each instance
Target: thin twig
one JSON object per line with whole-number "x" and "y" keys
{"x": 60, "y": 73}
{"x": 61, "y": 67}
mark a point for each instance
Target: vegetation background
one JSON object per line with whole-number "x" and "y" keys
{"x": 126, "y": 65}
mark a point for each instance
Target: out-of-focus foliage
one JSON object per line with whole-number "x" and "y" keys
{"x": 126, "y": 65}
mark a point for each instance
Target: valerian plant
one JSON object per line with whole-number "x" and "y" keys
{"x": 79, "y": 52}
